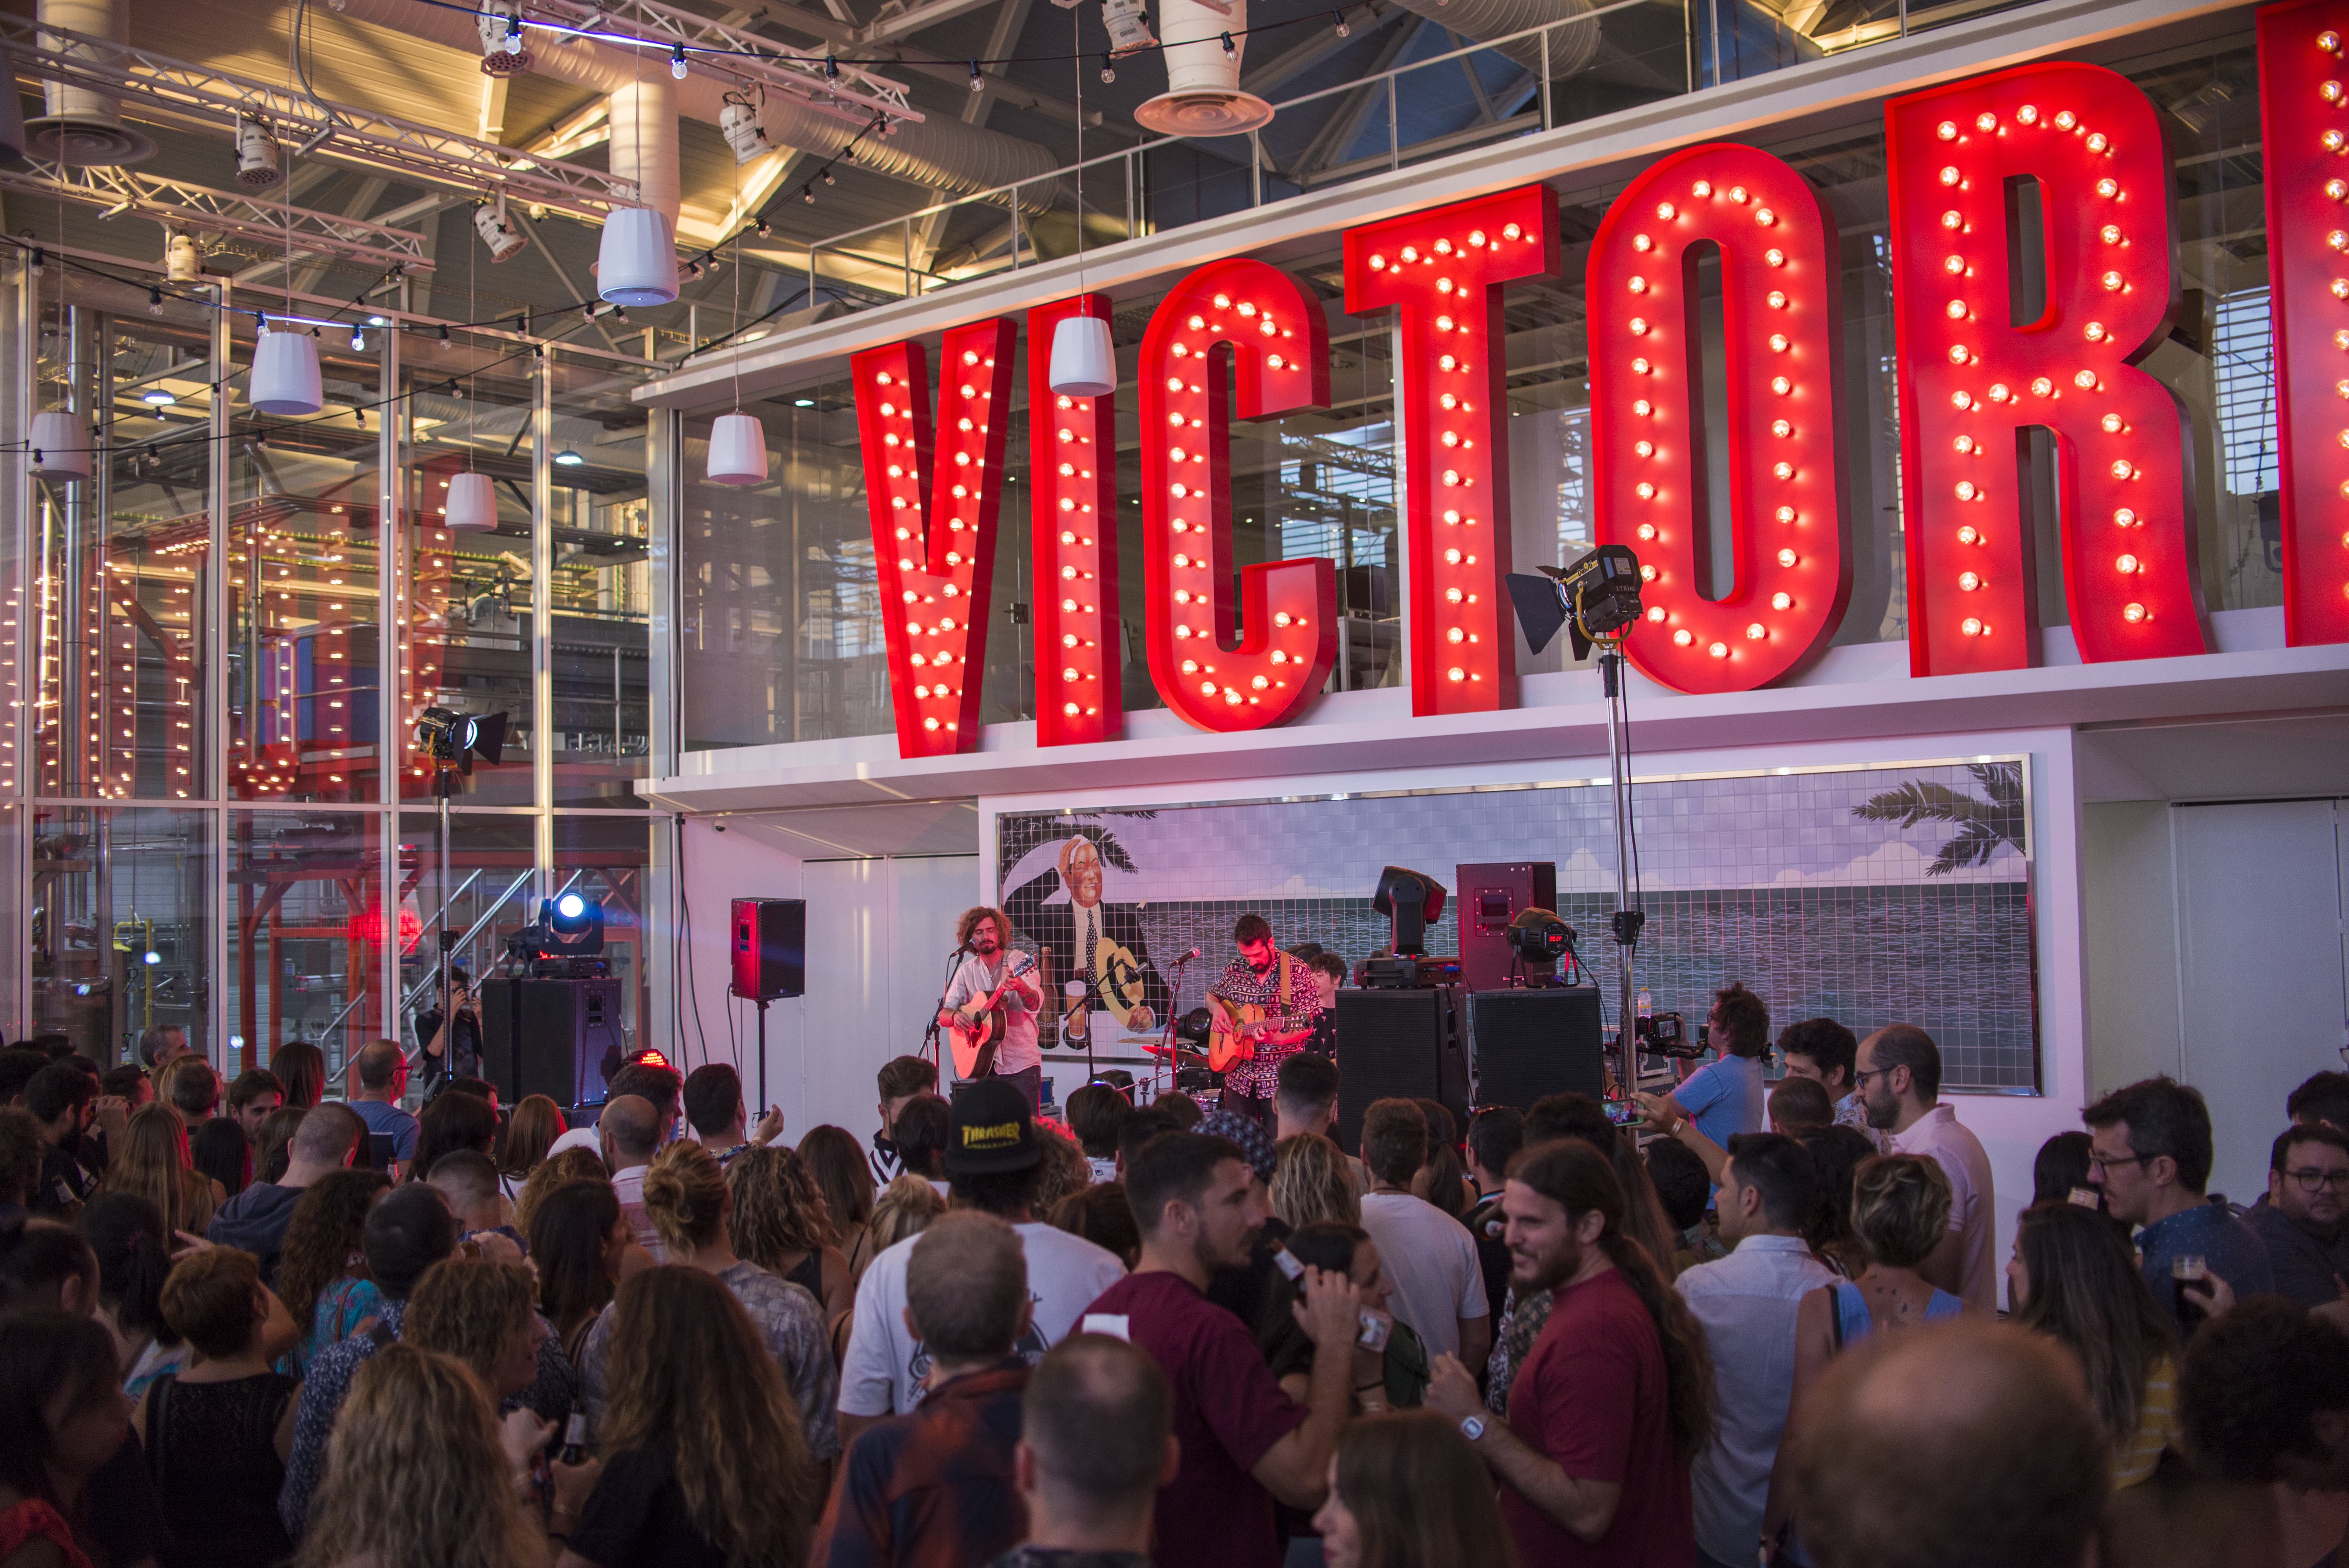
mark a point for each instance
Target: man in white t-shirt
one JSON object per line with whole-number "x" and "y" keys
{"x": 629, "y": 1130}
{"x": 986, "y": 934}
{"x": 1900, "y": 1081}
{"x": 994, "y": 1158}
{"x": 1439, "y": 1289}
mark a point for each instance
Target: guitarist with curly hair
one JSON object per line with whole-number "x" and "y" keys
{"x": 991, "y": 1005}
{"x": 1265, "y": 1006}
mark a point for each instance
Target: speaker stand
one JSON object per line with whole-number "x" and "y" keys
{"x": 762, "y": 1055}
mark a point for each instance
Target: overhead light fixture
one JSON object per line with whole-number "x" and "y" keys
{"x": 637, "y": 262}
{"x": 472, "y": 505}
{"x": 157, "y": 398}
{"x": 183, "y": 262}
{"x": 489, "y": 223}
{"x": 739, "y": 123}
{"x": 567, "y": 458}
{"x": 256, "y": 153}
{"x": 1084, "y": 359}
{"x": 677, "y": 66}
{"x": 284, "y": 374}
{"x": 503, "y": 53}
{"x": 358, "y": 338}
{"x": 802, "y": 403}
{"x": 377, "y": 321}
{"x": 737, "y": 449}
{"x": 60, "y": 444}
{"x": 154, "y": 302}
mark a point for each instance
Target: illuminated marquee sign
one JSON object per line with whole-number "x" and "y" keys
{"x": 1982, "y": 380}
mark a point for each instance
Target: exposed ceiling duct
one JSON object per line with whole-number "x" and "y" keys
{"x": 80, "y": 126}
{"x": 942, "y": 153}
{"x": 644, "y": 142}
{"x": 1571, "y": 48}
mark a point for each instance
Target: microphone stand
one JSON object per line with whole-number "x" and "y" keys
{"x": 1166, "y": 1042}
{"x": 930, "y": 1035}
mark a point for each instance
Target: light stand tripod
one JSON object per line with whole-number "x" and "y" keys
{"x": 1626, "y": 921}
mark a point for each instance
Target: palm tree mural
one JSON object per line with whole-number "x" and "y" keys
{"x": 1983, "y": 824}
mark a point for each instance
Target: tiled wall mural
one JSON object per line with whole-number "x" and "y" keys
{"x": 1879, "y": 895}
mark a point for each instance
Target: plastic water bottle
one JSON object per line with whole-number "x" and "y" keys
{"x": 1647, "y": 1005}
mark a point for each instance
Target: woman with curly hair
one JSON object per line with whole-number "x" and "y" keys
{"x": 838, "y": 1166}
{"x": 1313, "y": 1184}
{"x": 579, "y": 1241}
{"x": 154, "y": 1163}
{"x": 699, "y": 1438}
{"x": 417, "y": 1424}
{"x": 780, "y": 1222}
{"x": 571, "y": 1165}
{"x": 321, "y": 1271}
{"x": 530, "y": 1132}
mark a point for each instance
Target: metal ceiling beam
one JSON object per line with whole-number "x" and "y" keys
{"x": 182, "y": 205}
{"x": 180, "y": 92}
{"x": 1276, "y": 71}
{"x": 1012, "y": 95}
{"x": 909, "y": 20}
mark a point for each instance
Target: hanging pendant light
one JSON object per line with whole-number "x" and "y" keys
{"x": 1084, "y": 360}
{"x": 737, "y": 449}
{"x": 472, "y": 505}
{"x": 60, "y": 446}
{"x": 284, "y": 374}
{"x": 637, "y": 262}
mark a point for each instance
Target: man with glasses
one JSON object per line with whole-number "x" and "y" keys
{"x": 2150, "y": 1152}
{"x": 1899, "y": 1077}
{"x": 2300, "y": 1219}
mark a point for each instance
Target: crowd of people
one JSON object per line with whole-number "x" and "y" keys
{"x": 241, "y": 1323}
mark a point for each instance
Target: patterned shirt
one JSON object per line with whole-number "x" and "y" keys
{"x": 932, "y": 1489}
{"x": 790, "y": 1325}
{"x": 1243, "y": 987}
{"x": 550, "y": 1396}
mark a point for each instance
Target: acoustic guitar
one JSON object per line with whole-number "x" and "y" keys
{"x": 1232, "y": 1037}
{"x": 977, "y": 1025}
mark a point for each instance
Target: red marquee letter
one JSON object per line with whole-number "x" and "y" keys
{"x": 1072, "y": 471}
{"x": 935, "y": 582}
{"x": 2304, "y": 131}
{"x": 1971, "y": 382}
{"x": 1268, "y": 328}
{"x": 1780, "y": 283}
{"x": 1445, "y": 267}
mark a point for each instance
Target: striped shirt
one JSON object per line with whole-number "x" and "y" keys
{"x": 2157, "y": 1428}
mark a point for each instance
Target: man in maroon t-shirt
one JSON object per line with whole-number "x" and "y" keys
{"x": 1611, "y": 1403}
{"x": 1242, "y": 1441}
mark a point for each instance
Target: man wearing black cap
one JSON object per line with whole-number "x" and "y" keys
{"x": 994, "y": 1156}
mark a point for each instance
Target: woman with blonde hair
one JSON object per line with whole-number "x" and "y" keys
{"x": 780, "y": 1221}
{"x": 417, "y": 1424}
{"x": 530, "y": 1132}
{"x": 571, "y": 1165}
{"x": 687, "y": 1200}
{"x": 1313, "y": 1183}
{"x": 703, "y": 1458}
{"x": 906, "y": 1207}
{"x": 154, "y": 1163}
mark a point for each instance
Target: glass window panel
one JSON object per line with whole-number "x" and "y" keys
{"x": 305, "y": 932}
{"x": 303, "y": 610}
{"x": 469, "y": 596}
{"x": 116, "y": 927}
{"x": 600, "y": 517}
{"x": 609, "y": 858}
{"x": 484, "y": 894}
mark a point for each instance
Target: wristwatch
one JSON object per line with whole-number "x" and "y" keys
{"x": 1471, "y": 1426}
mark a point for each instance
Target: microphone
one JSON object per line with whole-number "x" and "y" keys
{"x": 1186, "y": 958}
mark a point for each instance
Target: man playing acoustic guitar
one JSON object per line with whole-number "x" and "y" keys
{"x": 1284, "y": 990}
{"x": 982, "y": 933}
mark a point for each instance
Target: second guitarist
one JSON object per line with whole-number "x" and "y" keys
{"x": 981, "y": 932}
{"x": 1265, "y": 977}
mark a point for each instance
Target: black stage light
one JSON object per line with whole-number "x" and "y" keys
{"x": 455, "y": 739}
{"x": 1193, "y": 1027}
{"x": 1538, "y": 935}
{"x": 1596, "y": 597}
{"x": 1412, "y": 900}
{"x": 571, "y": 925}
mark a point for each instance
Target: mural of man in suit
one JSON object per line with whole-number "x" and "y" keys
{"x": 1102, "y": 942}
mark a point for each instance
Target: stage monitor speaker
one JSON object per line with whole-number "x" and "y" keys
{"x": 1529, "y": 1044}
{"x": 1491, "y": 896}
{"x": 1398, "y": 1044}
{"x": 550, "y": 1037}
{"x": 769, "y": 948}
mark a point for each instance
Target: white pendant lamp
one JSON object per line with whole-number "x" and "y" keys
{"x": 60, "y": 446}
{"x": 284, "y": 374}
{"x": 637, "y": 262}
{"x": 737, "y": 449}
{"x": 472, "y": 505}
{"x": 1084, "y": 360}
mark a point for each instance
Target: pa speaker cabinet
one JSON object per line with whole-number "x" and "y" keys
{"x": 552, "y": 1037}
{"x": 1492, "y": 895}
{"x": 1399, "y": 1045}
{"x": 1529, "y": 1044}
{"x": 769, "y": 948}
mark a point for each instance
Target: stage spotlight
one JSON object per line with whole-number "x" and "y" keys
{"x": 570, "y": 927}
{"x": 1596, "y": 599}
{"x": 1412, "y": 900}
{"x": 1538, "y": 935}
{"x": 1193, "y": 1027}
{"x": 455, "y": 738}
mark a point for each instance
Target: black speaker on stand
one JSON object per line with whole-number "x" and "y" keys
{"x": 770, "y": 959}
{"x": 1531, "y": 1042}
{"x": 552, "y": 1037}
{"x": 1399, "y": 1045}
